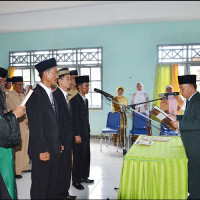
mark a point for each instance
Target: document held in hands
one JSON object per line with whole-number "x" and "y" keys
{"x": 26, "y": 98}
{"x": 162, "y": 116}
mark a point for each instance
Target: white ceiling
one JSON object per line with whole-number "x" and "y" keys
{"x": 20, "y": 16}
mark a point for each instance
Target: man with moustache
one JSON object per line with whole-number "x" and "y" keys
{"x": 65, "y": 118}
{"x": 7, "y": 86}
{"x": 14, "y": 99}
{"x": 44, "y": 142}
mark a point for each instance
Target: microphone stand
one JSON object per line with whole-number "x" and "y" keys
{"x": 134, "y": 105}
{"x": 123, "y": 109}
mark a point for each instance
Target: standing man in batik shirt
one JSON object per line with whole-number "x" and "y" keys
{"x": 14, "y": 99}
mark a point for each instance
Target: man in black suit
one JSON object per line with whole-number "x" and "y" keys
{"x": 81, "y": 149}
{"x": 44, "y": 142}
{"x": 65, "y": 118}
{"x": 189, "y": 126}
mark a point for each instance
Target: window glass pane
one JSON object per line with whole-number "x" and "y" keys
{"x": 18, "y": 72}
{"x": 26, "y": 75}
{"x": 181, "y": 70}
{"x": 95, "y": 84}
{"x": 88, "y": 96}
{"x": 95, "y": 73}
{"x": 96, "y": 100}
{"x": 71, "y": 68}
{"x": 37, "y": 78}
{"x": 85, "y": 71}
{"x": 26, "y": 83}
{"x": 195, "y": 70}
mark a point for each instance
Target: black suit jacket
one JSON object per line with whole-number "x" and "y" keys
{"x": 65, "y": 118}
{"x": 80, "y": 117}
{"x": 43, "y": 124}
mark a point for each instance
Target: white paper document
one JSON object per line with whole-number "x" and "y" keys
{"x": 26, "y": 98}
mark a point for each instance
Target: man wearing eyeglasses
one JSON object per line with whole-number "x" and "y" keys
{"x": 14, "y": 99}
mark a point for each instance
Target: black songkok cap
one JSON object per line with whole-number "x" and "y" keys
{"x": 187, "y": 79}
{"x": 63, "y": 71}
{"x": 46, "y": 64}
{"x": 3, "y": 72}
{"x": 73, "y": 72}
{"x": 82, "y": 79}
{"x": 17, "y": 79}
{"x": 8, "y": 79}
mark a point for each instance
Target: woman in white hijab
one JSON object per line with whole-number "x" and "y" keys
{"x": 139, "y": 97}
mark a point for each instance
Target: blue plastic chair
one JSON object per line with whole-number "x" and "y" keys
{"x": 112, "y": 127}
{"x": 140, "y": 126}
{"x": 166, "y": 131}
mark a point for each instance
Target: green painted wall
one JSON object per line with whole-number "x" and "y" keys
{"x": 129, "y": 53}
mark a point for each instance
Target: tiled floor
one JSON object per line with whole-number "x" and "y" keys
{"x": 105, "y": 170}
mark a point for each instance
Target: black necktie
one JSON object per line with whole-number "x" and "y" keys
{"x": 187, "y": 102}
{"x": 3, "y": 98}
{"x": 67, "y": 100}
{"x": 52, "y": 101}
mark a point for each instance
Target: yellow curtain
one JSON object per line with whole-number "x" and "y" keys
{"x": 162, "y": 78}
{"x": 11, "y": 72}
{"x": 174, "y": 80}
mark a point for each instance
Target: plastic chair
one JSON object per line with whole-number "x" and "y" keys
{"x": 140, "y": 126}
{"x": 166, "y": 131}
{"x": 112, "y": 127}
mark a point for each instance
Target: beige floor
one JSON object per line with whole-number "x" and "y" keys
{"x": 105, "y": 170}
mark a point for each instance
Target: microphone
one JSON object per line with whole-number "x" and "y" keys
{"x": 165, "y": 95}
{"x": 103, "y": 93}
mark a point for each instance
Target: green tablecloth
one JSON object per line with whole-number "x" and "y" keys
{"x": 158, "y": 171}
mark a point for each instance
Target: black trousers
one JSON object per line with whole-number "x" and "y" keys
{"x": 4, "y": 194}
{"x": 81, "y": 161}
{"x": 64, "y": 175}
{"x": 44, "y": 176}
{"x": 194, "y": 177}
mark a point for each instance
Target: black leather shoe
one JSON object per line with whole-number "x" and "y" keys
{"x": 69, "y": 197}
{"x": 26, "y": 171}
{"x": 86, "y": 180}
{"x": 18, "y": 176}
{"x": 78, "y": 186}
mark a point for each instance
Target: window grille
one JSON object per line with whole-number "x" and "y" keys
{"x": 88, "y": 61}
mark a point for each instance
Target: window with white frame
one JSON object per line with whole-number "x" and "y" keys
{"x": 187, "y": 56}
{"x": 88, "y": 61}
